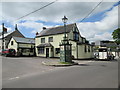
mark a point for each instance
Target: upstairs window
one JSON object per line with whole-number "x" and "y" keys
{"x": 42, "y": 40}
{"x": 75, "y": 35}
{"x": 50, "y": 39}
{"x": 11, "y": 42}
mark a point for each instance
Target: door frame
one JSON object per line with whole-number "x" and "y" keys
{"x": 47, "y": 52}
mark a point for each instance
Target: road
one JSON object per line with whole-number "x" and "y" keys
{"x": 30, "y": 73}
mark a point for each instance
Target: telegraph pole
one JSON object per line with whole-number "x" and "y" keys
{"x": 2, "y": 36}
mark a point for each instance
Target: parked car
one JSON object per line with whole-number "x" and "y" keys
{"x": 8, "y": 52}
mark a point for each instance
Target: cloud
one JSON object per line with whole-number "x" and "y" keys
{"x": 100, "y": 30}
{"x": 104, "y": 36}
{"x": 73, "y": 10}
{"x": 35, "y": 26}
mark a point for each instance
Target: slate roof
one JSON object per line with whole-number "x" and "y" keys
{"x": 56, "y": 30}
{"x": 6, "y": 34}
{"x": 24, "y": 40}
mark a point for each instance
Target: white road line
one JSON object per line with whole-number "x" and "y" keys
{"x": 13, "y": 78}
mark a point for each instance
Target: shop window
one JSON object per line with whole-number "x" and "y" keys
{"x": 41, "y": 50}
{"x": 42, "y": 40}
{"x": 50, "y": 39}
{"x": 57, "y": 50}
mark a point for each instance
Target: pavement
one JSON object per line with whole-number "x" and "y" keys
{"x": 29, "y": 72}
{"x": 59, "y": 64}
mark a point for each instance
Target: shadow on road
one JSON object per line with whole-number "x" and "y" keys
{"x": 83, "y": 65}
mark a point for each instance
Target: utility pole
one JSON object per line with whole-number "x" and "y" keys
{"x": 2, "y": 36}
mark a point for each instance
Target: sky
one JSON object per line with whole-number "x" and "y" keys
{"x": 99, "y": 25}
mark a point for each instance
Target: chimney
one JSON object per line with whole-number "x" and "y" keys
{"x": 36, "y": 33}
{"x": 44, "y": 28}
{"x": 4, "y": 30}
{"x": 16, "y": 27}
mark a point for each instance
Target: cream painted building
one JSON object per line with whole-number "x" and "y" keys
{"x": 48, "y": 40}
{"x": 23, "y": 46}
{"x": 8, "y": 35}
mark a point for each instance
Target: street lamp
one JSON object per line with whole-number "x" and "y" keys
{"x": 64, "y": 19}
{"x": 65, "y": 46}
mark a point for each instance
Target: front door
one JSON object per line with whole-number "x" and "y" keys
{"x": 47, "y": 52}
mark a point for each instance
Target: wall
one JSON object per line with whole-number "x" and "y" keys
{"x": 20, "y": 45}
{"x": 81, "y": 52}
{"x": 56, "y": 40}
{"x": 14, "y": 46}
{"x": 0, "y": 44}
{"x": 25, "y": 45}
{"x": 74, "y": 48}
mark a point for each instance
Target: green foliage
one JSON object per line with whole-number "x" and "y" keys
{"x": 116, "y": 35}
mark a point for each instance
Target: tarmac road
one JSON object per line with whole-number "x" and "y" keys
{"x": 89, "y": 74}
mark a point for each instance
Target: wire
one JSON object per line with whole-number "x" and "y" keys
{"x": 91, "y": 11}
{"x": 37, "y": 10}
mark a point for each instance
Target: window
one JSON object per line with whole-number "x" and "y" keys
{"x": 25, "y": 50}
{"x": 41, "y": 50}
{"x": 57, "y": 50}
{"x": 75, "y": 36}
{"x": 85, "y": 49}
{"x": 88, "y": 48}
{"x": 42, "y": 40}
{"x": 31, "y": 49}
{"x": 50, "y": 39}
{"x": 91, "y": 49}
{"x": 11, "y": 42}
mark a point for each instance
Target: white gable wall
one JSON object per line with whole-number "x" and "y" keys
{"x": 14, "y": 46}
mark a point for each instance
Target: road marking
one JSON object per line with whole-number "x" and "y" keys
{"x": 14, "y": 78}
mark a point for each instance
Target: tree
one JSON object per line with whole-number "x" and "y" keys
{"x": 116, "y": 35}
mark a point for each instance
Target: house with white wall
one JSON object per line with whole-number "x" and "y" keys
{"x": 23, "y": 46}
{"x": 8, "y": 35}
{"x": 48, "y": 40}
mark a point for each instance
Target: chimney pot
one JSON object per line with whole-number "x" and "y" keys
{"x": 36, "y": 33}
{"x": 44, "y": 28}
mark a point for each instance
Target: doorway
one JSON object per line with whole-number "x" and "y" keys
{"x": 47, "y": 52}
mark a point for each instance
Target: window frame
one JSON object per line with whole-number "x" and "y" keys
{"x": 42, "y": 40}
{"x": 85, "y": 49}
{"x": 75, "y": 35}
{"x": 41, "y": 50}
{"x": 50, "y": 39}
{"x": 57, "y": 50}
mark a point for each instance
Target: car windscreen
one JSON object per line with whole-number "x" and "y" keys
{"x": 102, "y": 50}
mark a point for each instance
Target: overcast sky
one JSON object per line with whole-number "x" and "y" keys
{"x": 98, "y": 26}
